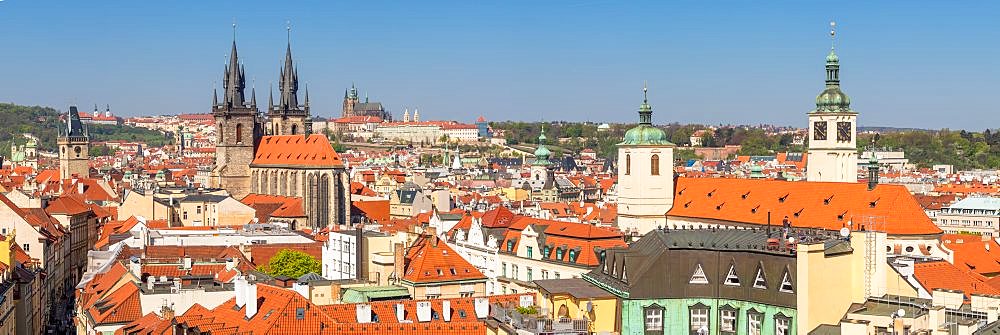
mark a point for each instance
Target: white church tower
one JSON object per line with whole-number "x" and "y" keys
{"x": 645, "y": 175}
{"x": 833, "y": 153}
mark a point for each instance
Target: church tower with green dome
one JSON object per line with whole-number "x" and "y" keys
{"x": 833, "y": 154}
{"x": 645, "y": 175}
{"x": 540, "y": 168}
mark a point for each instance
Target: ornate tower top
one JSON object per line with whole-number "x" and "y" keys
{"x": 645, "y": 133}
{"x": 542, "y": 153}
{"x": 74, "y": 128}
{"x": 832, "y": 99}
{"x": 234, "y": 80}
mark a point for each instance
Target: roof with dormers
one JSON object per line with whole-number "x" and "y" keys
{"x": 430, "y": 260}
{"x": 312, "y": 151}
{"x": 821, "y": 205}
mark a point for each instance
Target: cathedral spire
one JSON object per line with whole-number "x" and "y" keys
{"x": 307, "y": 95}
{"x": 270, "y": 97}
{"x": 289, "y": 82}
{"x": 253, "y": 94}
{"x": 215, "y": 95}
{"x": 234, "y": 80}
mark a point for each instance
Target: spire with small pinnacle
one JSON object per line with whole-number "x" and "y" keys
{"x": 253, "y": 94}
{"x": 215, "y": 96}
{"x": 288, "y": 84}
{"x": 832, "y": 99}
{"x": 234, "y": 81}
{"x": 645, "y": 110}
{"x": 270, "y": 95}
{"x": 307, "y": 96}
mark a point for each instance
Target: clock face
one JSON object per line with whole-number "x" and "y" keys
{"x": 819, "y": 130}
{"x": 844, "y": 131}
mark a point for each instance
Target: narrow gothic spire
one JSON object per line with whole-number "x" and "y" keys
{"x": 270, "y": 93}
{"x": 215, "y": 95}
{"x": 253, "y": 94}
{"x": 289, "y": 81}
{"x": 234, "y": 81}
{"x": 307, "y": 95}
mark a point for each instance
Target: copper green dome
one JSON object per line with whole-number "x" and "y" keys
{"x": 542, "y": 153}
{"x": 832, "y": 99}
{"x": 645, "y": 133}
{"x": 832, "y": 57}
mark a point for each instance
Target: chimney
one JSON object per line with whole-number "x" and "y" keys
{"x": 432, "y": 231}
{"x": 446, "y": 310}
{"x": 135, "y": 266}
{"x": 361, "y": 268}
{"x": 79, "y": 188}
{"x": 423, "y": 311}
{"x": 482, "y": 308}
{"x": 399, "y": 260}
{"x": 150, "y": 282}
{"x": 231, "y": 264}
{"x": 167, "y": 312}
{"x": 187, "y": 263}
{"x": 251, "y": 299}
{"x": 363, "y": 313}
{"x": 241, "y": 288}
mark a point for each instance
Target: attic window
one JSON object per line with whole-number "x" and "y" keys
{"x": 686, "y": 204}
{"x": 786, "y": 283}
{"x": 841, "y": 216}
{"x": 300, "y": 313}
{"x": 440, "y": 273}
{"x": 754, "y": 210}
{"x": 799, "y": 212}
{"x": 710, "y": 193}
{"x": 827, "y": 200}
{"x": 759, "y": 282}
{"x": 719, "y": 207}
{"x": 453, "y": 272}
{"x": 699, "y": 276}
{"x": 745, "y": 195}
{"x": 681, "y": 192}
{"x": 732, "y": 279}
{"x": 782, "y": 198}
{"x": 873, "y": 203}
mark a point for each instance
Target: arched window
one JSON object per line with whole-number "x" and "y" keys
{"x": 295, "y": 129}
{"x": 628, "y": 164}
{"x": 239, "y": 133}
{"x": 218, "y": 128}
{"x": 654, "y": 165}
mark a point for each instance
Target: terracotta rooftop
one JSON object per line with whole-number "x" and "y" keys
{"x": 296, "y": 150}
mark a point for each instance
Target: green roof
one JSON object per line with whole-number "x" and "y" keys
{"x": 373, "y": 293}
{"x": 645, "y": 133}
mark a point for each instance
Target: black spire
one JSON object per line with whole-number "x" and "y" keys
{"x": 289, "y": 82}
{"x": 73, "y": 125}
{"x": 235, "y": 80}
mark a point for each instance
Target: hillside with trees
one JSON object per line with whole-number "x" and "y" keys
{"x": 963, "y": 149}
{"x": 43, "y": 122}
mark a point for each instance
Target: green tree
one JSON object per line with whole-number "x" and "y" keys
{"x": 290, "y": 263}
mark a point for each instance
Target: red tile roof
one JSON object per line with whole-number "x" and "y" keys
{"x": 149, "y": 324}
{"x": 806, "y": 204}
{"x": 268, "y": 206}
{"x": 430, "y": 260}
{"x": 296, "y": 150}
{"x": 974, "y": 253}
{"x": 944, "y": 275}
{"x": 376, "y": 210}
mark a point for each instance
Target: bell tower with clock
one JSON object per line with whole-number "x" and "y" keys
{"x": 833, "y": 153}
{"x": 74, "y": 147}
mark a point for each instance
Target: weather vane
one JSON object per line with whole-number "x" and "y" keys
{"x": 833, "y": 33}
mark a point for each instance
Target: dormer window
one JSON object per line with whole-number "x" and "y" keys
{"x": 786, "y": 283}
{"x": 699, "y": 276}
{"x": 559, "y": 253}
{"x": 732, "y": 279}
{"x": 759, "y": 281}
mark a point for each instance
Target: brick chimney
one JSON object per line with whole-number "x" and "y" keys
{"x": 433, "y": 238}
{"x": 399, "y": 262}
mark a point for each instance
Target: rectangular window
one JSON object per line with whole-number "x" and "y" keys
{"x": 728, "y": 323}
{"x": 699, "y": 320}
{"x": 185, "y": 215}
{"x": 503, "y": 269}
{"x": 26, "y": 247}
{"x": 781, "y": 326}
{"x": 197, "y": 210}
{"x": 557, "y": 275}
{"x": 545, "y": 274}
{"x": 529, "y": 252}
{"x": 529, "y": 274}
{"x": 753, "y": 323}
{"x": 654, "y": 319}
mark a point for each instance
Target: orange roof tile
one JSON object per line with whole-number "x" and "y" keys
{"x": 430, "y": 260}
{"x": 974, "y": 254}
{"x": 296, "y": 150}
{"x": 376, "y": 210}
{"x": 944, "y": 275}
{"x": 806, "y": 204}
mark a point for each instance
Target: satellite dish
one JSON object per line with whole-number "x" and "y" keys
{"x": 844, "y": 232}
{"x": 901, "y": 312}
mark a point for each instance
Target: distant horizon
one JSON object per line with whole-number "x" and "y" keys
{"x": 903, "y": 65}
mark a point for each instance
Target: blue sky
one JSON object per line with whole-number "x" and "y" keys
{"x": 904, "y": 63}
